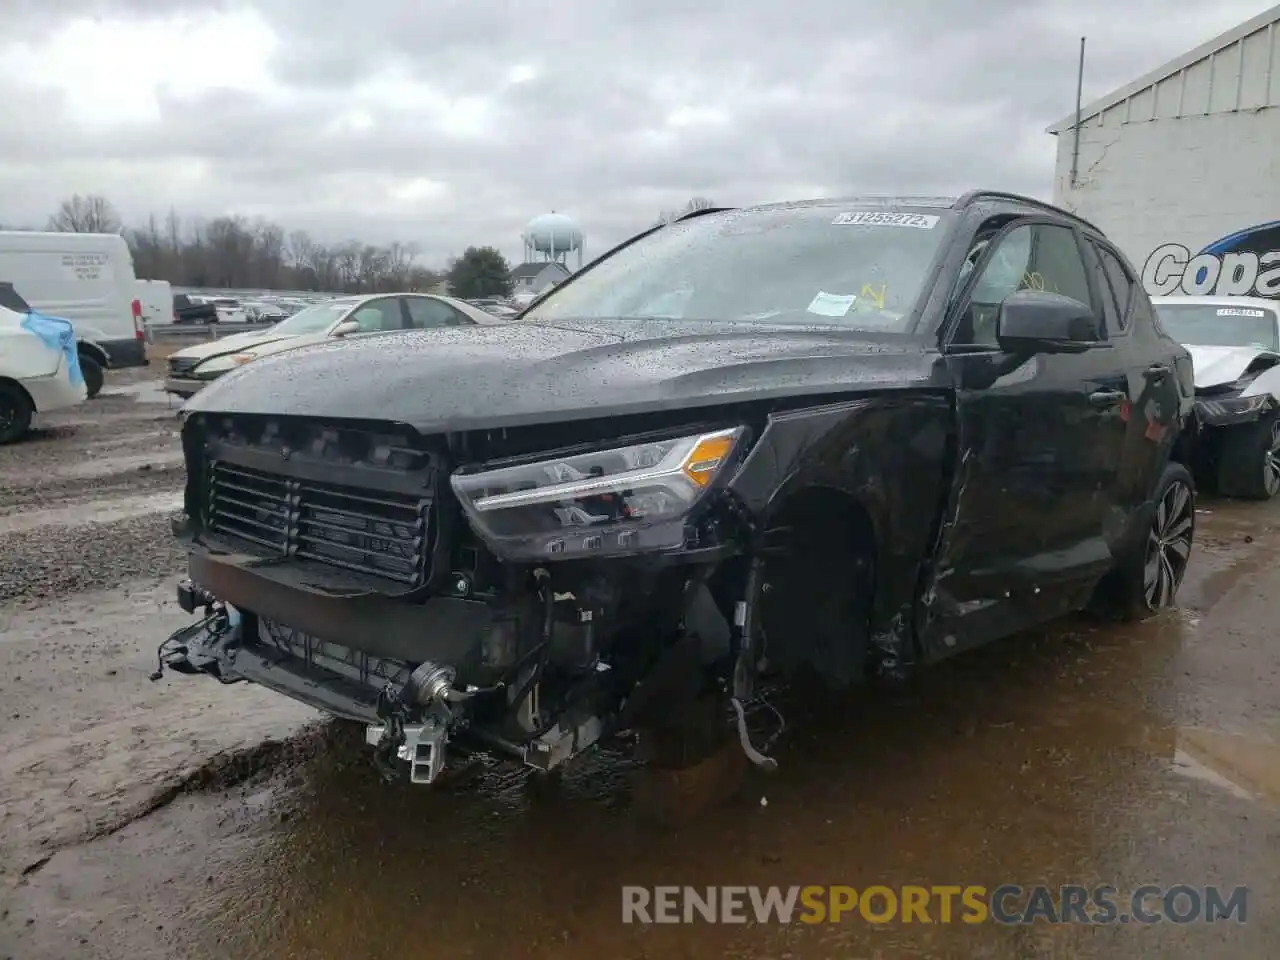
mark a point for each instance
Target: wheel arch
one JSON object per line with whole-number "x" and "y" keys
{"x": 820, "y": 582}
{"x": 17, "y": 384}
{"x": 91, "y": 349}
{"x": 873, "y": 466}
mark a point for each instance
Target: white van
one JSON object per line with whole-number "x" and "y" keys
{"x": 86, "y": 278}
{"x": 156, "y": 297}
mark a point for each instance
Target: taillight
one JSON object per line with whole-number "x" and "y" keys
{"x": 138, "y": 330}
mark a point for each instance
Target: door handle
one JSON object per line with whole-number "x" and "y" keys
{"x": 1157, "y": 371}
{"x": 1106, "y": 398}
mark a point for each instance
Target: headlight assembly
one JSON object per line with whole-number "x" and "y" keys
{"x": 622, "y": 500}
{"x": 224, "y": 363}
{"x": 1235, "y": 409}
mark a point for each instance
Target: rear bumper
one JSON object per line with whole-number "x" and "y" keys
{"x": 130, "y": 352}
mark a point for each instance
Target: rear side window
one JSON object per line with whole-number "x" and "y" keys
{"x": 425, "y": 313}
{"x": 1121, "y": 283}
{"x": 379, "y": 316}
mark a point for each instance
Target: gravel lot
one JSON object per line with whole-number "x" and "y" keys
{"x": 85, "y": 502}
{"x": 142, "y": 820}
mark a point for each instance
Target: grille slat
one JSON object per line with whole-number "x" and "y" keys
{"x": 367, "y": 531}
{"x": 250, "y": 505}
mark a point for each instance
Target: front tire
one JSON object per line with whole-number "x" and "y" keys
{"x": 1147, "y": 579}
{"x": 15, "y": 413}
{"x": 1249, "y": 464}
{"x": 93, "y": 375}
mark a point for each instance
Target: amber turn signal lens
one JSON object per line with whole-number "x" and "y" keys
{"x": 703, "y": 461}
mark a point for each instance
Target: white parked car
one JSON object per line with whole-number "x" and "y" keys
{"x": 192, "y": 368}
{"x": 1235, "y": 349}
{"x": 37, "y": 372}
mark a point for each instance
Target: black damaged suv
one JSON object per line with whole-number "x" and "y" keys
{"x": 849, "y": 437}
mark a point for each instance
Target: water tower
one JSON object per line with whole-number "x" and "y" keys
{"x": 550, "y": 238}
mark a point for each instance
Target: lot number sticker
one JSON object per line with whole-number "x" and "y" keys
{"x": 870, "y": 218}
{"x": 1240, "y": 312}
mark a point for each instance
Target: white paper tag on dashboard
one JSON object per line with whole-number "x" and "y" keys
{"x": 831, "y": 304}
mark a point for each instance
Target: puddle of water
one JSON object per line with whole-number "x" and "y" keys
{"x": 95, "y": 511}
{"x": 1189, "y": 766}
{"x": 1246, "y": 767}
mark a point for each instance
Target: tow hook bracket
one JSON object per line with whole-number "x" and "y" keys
{"x": 192, "y": 598}
{"x": 423, "y": 748}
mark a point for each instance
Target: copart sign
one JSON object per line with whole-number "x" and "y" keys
{"x": 1244, "y": 264}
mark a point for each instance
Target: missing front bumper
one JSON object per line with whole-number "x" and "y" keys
{"x": 410, "y": 737}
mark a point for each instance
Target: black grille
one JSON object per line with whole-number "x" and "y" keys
{"x": 182, "y": 365}
{"x": 380, "y": 533}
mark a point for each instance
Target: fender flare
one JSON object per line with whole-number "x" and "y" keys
{"x": 94, "y": 350}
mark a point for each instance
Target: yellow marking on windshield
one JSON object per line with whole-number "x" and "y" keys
{"x": 876, "y": 296}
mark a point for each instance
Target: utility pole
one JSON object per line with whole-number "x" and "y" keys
{"x": 1075, "y": 145}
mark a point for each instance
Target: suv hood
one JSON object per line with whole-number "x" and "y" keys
{"x": 467, "y": 378}
{"x": 1215, "y": 366}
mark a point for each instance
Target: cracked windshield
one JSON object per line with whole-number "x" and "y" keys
{"x": 613, "y": 481}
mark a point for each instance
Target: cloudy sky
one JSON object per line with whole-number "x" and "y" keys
{"x": 452, "y": 122}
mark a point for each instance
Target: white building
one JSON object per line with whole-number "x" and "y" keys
{"x": 536, "y": 275}
{"x": 1181, "y": 168}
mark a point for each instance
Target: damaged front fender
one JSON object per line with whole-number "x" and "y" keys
{"x": 838, "y": 489}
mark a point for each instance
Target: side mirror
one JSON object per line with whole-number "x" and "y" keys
{"x": 346, "y": 328}
{"x": 1033, "y": 321}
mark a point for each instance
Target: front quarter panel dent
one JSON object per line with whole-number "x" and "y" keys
{"x": 889, "y": 454}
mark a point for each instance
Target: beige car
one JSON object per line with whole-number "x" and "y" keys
{"x": 193, "y": 367}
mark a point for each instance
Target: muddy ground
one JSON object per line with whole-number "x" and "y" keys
{"x": 144, "y": 819}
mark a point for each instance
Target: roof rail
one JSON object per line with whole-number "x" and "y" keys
{"x": 973, "y": 196}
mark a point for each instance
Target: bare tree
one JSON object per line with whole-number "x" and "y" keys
{"x": 268, "y": 254}
{"x": 693, "y": 206}
{"x": 232, "y": 252}
{"x": 173, "y": 233}
{"x": 301, "y": 250}
{"x": 150, "y": 257}
{"x": 85, "y": 214}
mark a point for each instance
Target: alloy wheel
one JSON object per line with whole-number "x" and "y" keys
{"x": 1168, "y": 545}
{"x": 1271, "y": 461}
{"x": 8, "y": 413}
